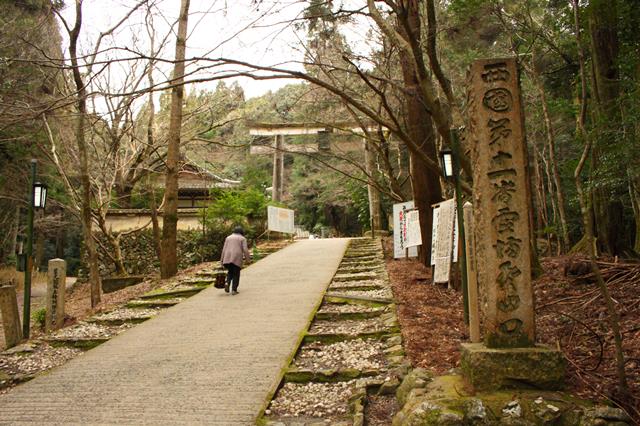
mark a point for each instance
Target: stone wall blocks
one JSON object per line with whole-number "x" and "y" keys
{"x": 427, "y": 413}
{"x": 475, "y": 413}
{"x": 389, "y": 387}
{"x": 603, "y": 415}
{"x": 416, "y": 378}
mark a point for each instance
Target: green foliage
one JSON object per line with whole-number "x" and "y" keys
{"x": 247, "y": 207}
{"x": 39, "y": 317}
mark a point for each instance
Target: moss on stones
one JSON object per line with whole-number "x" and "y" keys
{"x": 417, "y": 378}
{"x": 444, "y": 400}
{"x": 84, "y": 344}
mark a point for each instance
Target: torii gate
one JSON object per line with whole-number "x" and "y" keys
{"x": 279, "y": 147}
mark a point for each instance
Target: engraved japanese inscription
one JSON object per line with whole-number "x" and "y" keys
{"x": 502, "y": 203}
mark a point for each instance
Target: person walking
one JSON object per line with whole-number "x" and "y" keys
{"x": 234, "y": 251}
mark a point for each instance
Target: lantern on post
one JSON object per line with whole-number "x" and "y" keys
{"x": 446, "y": 157}
{"x": 39, "y": 195}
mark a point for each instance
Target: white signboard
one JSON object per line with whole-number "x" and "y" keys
{"x": 434, "y": 233}
{"x": 280, "y": 220}
{"x": 455, "y": 234}
{"x": 413, "y": 238}
{"x": 442, "y": 246}
{"x": 400, "y": 231}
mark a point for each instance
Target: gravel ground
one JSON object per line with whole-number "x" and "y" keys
{"x": 351, "y": 327}
{"x": 85, "y": 330}
{"x": 359, "y": 354}
{"x": 379, "y": 410}
{"x": 347, "y": 308}
{"x": 43, "y": 357}
{"x": 383, "y": 293}
{"x": 126, "y": 314}
{"x": 318, "y": 400}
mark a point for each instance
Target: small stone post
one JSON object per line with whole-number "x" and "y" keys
{"x": 472, "y": 280}
{"x": 10, "y": 315}
{"x": 56, "y": 285}
{"x": 501, "y": 208}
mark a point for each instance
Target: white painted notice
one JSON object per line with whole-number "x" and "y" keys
{"x": 434, "y": 233}
{"x": 413, "y": 237}
{"x": 280, "y": 220}
{"x": 442, "y": 247}
{"x": 400, "y": 211}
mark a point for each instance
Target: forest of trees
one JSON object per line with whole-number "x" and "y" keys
{"x": 104, "y": 118}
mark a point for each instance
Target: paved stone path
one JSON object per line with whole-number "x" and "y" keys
{"x": 212, "y": 359}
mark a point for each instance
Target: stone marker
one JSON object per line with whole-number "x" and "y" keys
{"x": 501, "y": 205}
{"x": 10, "y": 315}
{"x": 56, "y": 285}
{"x": 472, "y": 281}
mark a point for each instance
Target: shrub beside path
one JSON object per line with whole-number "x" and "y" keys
{"x": 214, "y": 358}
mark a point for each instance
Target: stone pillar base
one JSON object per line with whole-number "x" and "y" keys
{"x": 488, "y": 369}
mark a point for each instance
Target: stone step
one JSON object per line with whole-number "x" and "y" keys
{"x": 339, "y": 316}
{"x": 355, "y": 277}
{"x": 339, "y": 337}
{"x": 119, "y": 321}
{"x": 363, "y": 287}
{"x": 360, "y": 270}
{"x": 186, "y": 292}
{"x": 294, "y": 375}
{"x": 79, "y": 343}
{"x": 154, "y": 303}
{"x": 330, "y": 296}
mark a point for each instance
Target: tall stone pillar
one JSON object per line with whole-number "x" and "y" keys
{"x": 56, "y": 285}
{"x": 501, "y": 206}
{"x": 278, "y": 170}
{"x": 501, "y": 203}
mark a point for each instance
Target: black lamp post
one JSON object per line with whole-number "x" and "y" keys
{"x": 451, "y": 170}
{"x": 38, "y": 200}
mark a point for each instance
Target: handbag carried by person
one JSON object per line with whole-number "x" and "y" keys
{"x": 221, "y": 280}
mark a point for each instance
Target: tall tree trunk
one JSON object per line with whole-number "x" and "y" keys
{"x": 61, "y": 239}
{"x": 157, "y": 240}
{"x": 81, "y": 105}
{"x": 373, "y": 193}
{"x": 553, "y": 163}
{"x": 634, "y": 192}
{"x": 39, "y": 248}
{"x": 607, "y": 205}
{"x": 540, "y": 198}
{"x": 15, "y": 229}
{"x": 169, "y": 262}
{"x": 585, "y": 206}
{"x": 425, "y": 182}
